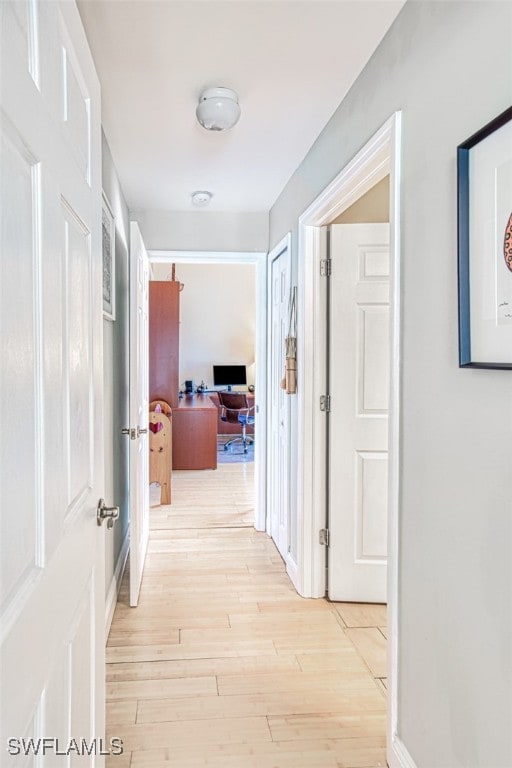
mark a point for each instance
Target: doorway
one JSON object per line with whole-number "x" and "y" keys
{"x": 378, "y": 158}
{"x": 258, "y": 372}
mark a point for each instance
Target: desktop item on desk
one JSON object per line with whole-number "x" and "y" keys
{"x": 229, "y": 376}
{"x": 189, "y": 387}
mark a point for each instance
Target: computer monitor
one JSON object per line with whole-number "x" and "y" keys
{"x": 229, "y": 376}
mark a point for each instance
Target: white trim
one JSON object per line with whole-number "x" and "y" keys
{"x": 395, "y": 141}
{"x": 380, "y": 156}
{"x": 364, "y": 171}
{"x": 115, "y": 584}
{"x": 205, "y": 257}
{"x": 292, "y": 570}
{"x": 398, "y": 755}
{"x": 260, "y": 428}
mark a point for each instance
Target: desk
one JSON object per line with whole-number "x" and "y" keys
{"x": 194, "y": 433}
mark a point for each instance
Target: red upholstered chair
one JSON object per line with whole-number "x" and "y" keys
{"x": 235, "y": 408}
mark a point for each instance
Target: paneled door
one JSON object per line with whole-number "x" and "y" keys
{"x": 139, "y": 409}
{"x": 358, "y": 418}
{"x": 52, "y": 613}
{"x": 279, "y": 426}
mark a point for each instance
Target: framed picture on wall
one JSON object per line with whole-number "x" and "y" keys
{"x": 108, "y": 234}
{"x": 484, "y": 166}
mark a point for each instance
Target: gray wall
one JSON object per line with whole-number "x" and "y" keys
{"x": 203, "y": 230}
{"x": 116, "y": 360}
{"x": 448, "y": 66}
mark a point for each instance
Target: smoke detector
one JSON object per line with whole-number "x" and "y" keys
{"x": 201, "y": 198}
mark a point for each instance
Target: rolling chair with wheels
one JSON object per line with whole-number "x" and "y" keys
{"x": 235, "y": 409}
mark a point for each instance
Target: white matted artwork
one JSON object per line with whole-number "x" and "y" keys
{"x": 108, "y": 235}
{"x": 503, "y": 237}
{"x": 485, "y": 246}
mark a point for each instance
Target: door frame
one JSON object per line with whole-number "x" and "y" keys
{"x": 282, "y": 248}
{"x": 259, "y": 259}
{"x": 379, "y": 157}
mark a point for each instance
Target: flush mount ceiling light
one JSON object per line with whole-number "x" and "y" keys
{"x": 218, "y": 109}
{"x": 201, "y": 198}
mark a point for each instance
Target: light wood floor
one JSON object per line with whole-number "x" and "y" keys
{"x": 223, "y": 664}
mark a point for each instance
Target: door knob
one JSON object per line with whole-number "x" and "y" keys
{"x": 106, "y": 513}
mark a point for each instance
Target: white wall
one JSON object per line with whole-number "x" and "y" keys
{"x": 115, "y": 366}
{"x": 203, "y": 230}
{"x": 448, "y": 67}
{"x": 217, "y": 317}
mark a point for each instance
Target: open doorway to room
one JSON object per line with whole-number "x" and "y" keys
{"x": 221, "y": 311}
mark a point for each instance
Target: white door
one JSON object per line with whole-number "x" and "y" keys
{"x": 279, "y": 402}
{"x": 139, "y": 409}
{"x": 52, "y": 613}
{"x": 358, "y": 420}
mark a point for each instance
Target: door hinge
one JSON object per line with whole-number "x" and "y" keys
{"x": 325, "y": 403}
{"x": 325, "y": 267}
{"x": 324, "y": 536}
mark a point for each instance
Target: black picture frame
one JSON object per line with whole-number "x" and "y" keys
{"x": 484, "y": 187}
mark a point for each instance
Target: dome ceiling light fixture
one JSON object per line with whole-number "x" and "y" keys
{"x": 218, "y": 109}
{"x": 201, "y": 198}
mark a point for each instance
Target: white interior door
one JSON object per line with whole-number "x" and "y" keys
{"x": 358, "y": 420}
{"x": 139, "y": 409}
{"x": 279, "y": 403}
{"x": 52, "y": 613}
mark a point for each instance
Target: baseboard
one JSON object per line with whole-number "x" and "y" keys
{"x": 292, "y": 569}
{"x": 115, "y": 584}
{"x": 399, "y": 756}
{"x": 259, "y": 525}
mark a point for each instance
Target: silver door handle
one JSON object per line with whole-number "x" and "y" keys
{"x": 106, "y": 513}
{"x": 141, "y": 431}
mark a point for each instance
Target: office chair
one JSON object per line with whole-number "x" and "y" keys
{"x": 235, "y": 409}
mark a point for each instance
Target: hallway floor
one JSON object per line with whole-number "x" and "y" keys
{"x": 223, "y": 664}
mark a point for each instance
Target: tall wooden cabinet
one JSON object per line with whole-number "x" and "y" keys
{"x": 164, "y": 320}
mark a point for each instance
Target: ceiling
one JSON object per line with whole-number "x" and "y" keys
{"x": 290, "y": 61}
